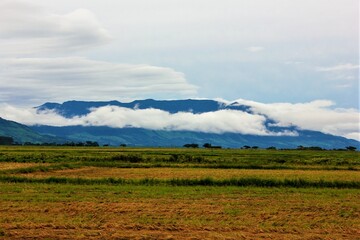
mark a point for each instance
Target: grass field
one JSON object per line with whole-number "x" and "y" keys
{"x": 134, "y": 193}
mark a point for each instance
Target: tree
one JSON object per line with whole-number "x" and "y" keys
{"x": 207, "y": 145}
{"x": 351, "y": 148}
{"x": 191, "y": 145}
{"x": 6, "y": 140}
{"x": 91, "y": 144}
{"x": 271, "y": 148}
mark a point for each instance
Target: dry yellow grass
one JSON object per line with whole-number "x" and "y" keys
{"x": 14, "y": 165}
{"x": 102, "y": 212}
{"x": 168, "y": 173}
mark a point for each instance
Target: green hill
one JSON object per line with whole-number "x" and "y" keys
{"x": 21, "y": 133}
{"x": 140, "y": 137}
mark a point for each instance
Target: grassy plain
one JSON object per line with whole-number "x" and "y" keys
{"x": 176, "y": 206}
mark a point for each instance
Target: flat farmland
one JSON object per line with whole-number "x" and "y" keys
{"x": 139, "y": 193}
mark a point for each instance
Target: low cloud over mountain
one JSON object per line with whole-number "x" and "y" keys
{"x": 241, "y": 116}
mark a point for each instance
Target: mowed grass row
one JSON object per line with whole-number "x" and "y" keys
{"x": 58, "y": 211}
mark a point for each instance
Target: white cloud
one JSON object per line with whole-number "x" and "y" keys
{"x": 29, "y": 116}
{"x": 28, "y": 29}
{"x": 209, "y": 43}
{"x": 213, "y": 122}
{"x": 292, "y": 62}
{"x": 60, "y": 79}
{"x": 353, "y": 135}
{"x": 316, "y": 115}
{"x": 341, "y": 86}
{"x": 344, "y": 75}
{"x": 340, "y": 67}
{"x": 28, "y": 33}
{"x": 255, "y": 49}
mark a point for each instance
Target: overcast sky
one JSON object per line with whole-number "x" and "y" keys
{"x": 262, "y": 50}
{"x": 268, "y": 51}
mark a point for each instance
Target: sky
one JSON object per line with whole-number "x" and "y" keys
{"x": 273, "y": 52}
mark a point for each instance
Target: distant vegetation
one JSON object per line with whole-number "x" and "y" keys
{"x": 4, "y": 140}
{"x": 189, "y": 157}
{"x": 10, "y": 141}
{"x": 208, "y": 145}
{"x": 191, "y": 145}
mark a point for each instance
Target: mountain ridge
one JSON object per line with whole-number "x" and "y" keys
{"x": 79, "y": 108}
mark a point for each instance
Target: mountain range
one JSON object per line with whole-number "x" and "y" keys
{"x": 79, "y": 108}
{"x": 140, "y": 136}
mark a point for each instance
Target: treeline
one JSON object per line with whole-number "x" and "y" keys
{"x": 315, "y": 148}
{"x": 4, "y": 140}
{"x": 68, "y": 144}
{"x": 348, "y": 148}
{"x": 195, "y": 145}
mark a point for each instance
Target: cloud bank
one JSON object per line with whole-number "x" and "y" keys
{"x": 37, "y": 62}
{"x": 28, "y": 29}
{"x": 316, "y": 115}
{"x": 222, "y": 121}
{"x": 59, "y": 79}
{"x": 339, "y": 67}
{"x": 229, "y": 48}
{"x": 255, "y": 49}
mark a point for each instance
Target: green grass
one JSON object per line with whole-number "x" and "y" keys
{"x": 69, "y": 158}
{"x": 240, "y": 182}
{"x": 25, "y": 192}
{"x": 216, "y": 158}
